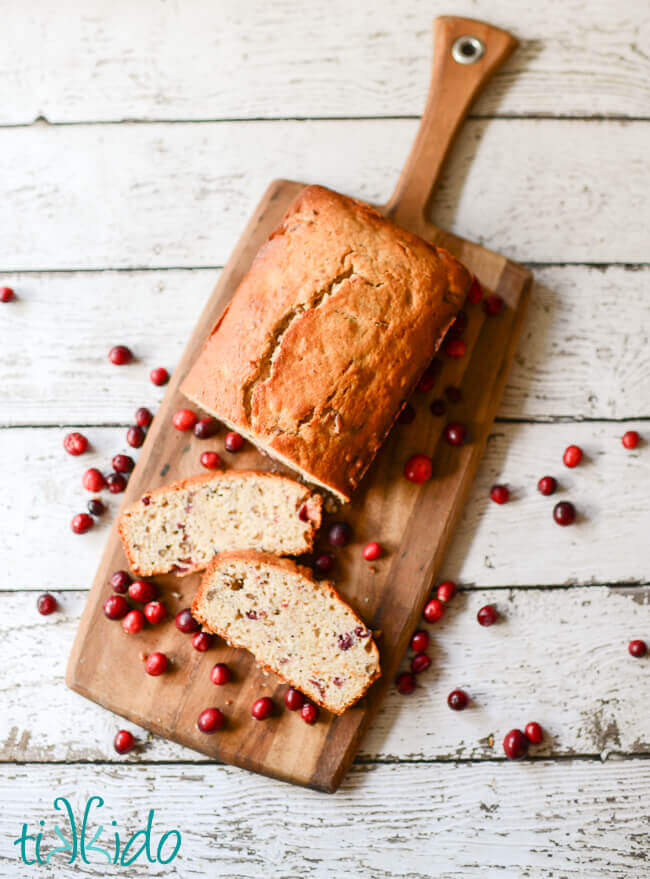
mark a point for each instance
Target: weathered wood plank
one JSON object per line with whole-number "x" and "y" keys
{"x": 530, "y": 821}
{"x": 586, "y": 323}
{"x": 578, "y": 636}
{"x": 161, "y": 195}
{"x": 202, "y": 60}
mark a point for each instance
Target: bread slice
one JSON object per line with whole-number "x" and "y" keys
{"x": 181, "y": 526}
{"x": 294, "y": 625}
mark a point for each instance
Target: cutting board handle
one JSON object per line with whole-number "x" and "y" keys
{"x": 466, "y": 53}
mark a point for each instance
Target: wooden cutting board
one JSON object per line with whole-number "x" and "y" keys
{"x": 414, "y": 523}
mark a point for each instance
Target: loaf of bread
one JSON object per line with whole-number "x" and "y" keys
{"x": 181, "y": 526}
{"x": 326, "y": 337}
{"x": 294, "y": 625}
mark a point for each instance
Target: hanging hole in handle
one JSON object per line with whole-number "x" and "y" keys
{"x": 467, "y": 50}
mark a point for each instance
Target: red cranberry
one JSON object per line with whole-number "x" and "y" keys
{"x": 457, "y": 700}
{"x": 433, "y": 610}
{"x": 123, "y": 741}
{"x": 119, "y": 355}
{"x": 419, "y": 663}
{"x": 142, "y": 591}
{"x": 155, "y": 612}
{"x": 453, "y": 394}
{"x": 6, "y": 294}
{"x": 630, "y": 439}
{"x": 493, "y": 305}
{"x": 339, "y": 534}
{"x": 143, "y": 417}
{"x": 184, "y": 419}
{"x": 205, "y": 428}
{"x": 159, "y": 376}
{"x": 446, "y": 591}
{"x": 115, "y": 607}
{"x": 373, "y": 551}
{"x": 81, "y": 523}
{"x": 455, "y": 348}
{"x": 46, "y": 604}
{"x": 185, "y": 622}
{"x": 233, "y": 441}
{"x": 455, "y": 434}
{"x": 122, "y": 463}
{"x": 438, "y": 407}
{"x": 407, "y": 415}
{"x": 475, "y": 292}
{"x": 135, "y": 436}
{"x": 309, "y": 713}
{"x": 211, "y": 461}
{"x": 262, "y": 708}
{"x": 534, "y": 733}
{"x": 293, "y": 699}
{"x": 133, "y": 622}
{"x": 515, "y": 744}
{"x": 324, "y": 563}
{"x": 418, "y": 469}
{"x": 156, "y": 664}
{"x": 420, "y": 641}
{"x": 572, "y": 456}
{"x": 115, "y": 482}
{"x": 488, "y": 615}
{"x": 405, "y": 683}
{"x": 92, "y": 480}
{"x": 120, "y": 581}
{"x": 220, "y": 674}
{"x": 96, "y": 507}
{"x": 637, "y": 648}
{"x": 75, "y": 443}
{"x": 202, "y": 641}
{"x": 211, "y": 720}
{"x": 427, "y": 381}
{"x": 547, "y": 485}
{"x": 459, "y": 325}
{"x": 564, "y": 513}
{"x": 500, "y": 494}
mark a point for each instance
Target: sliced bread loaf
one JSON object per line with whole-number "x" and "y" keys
{"x": 294, "y": 625}
{"x": 181, "y": 526}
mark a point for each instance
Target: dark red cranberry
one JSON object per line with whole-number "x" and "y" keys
{"x": 211, "y": 461}
{"x": 143, "y": 417}
{"x": 457, "y": 700}
{"x": 459, "y": 325}
{"x": 135, "y": 436}
{"x": 220, "y": 674}
{"x": 293, "y": 699}
{"x": 133, "y": 622}
{"x": 185, "y": 622}
{"x": 324, "y": 563}
{"x": 572, "y": 456}
{"x": 75, "y": 443}
{"x": 515, "y": 744}
{"x": 547, "y": 485}
{"x": 233, "y": 441}
{"x": 122, "y": 463}
{"x": 493, "y": 305}
{"x": 418, "y": 469}
{"x": 142, "y": 591}
{"x": 455, "y": 434}
{"x": 120, "y": 581}
{"x": 373, "y": 551}
{"x": 564, "y": 513}
{"x": 46, "y": 604}
{"x": 488, "y": 615}
{"x": 81, "y": 523}
{"x": 446, "y": 591}
{"x": 339, "y": 534}
{"x": 427, "y": 381}
{"x": 262, "y": 708}
{"x": 475, "y": 292}
{"x": 438, "y": 408}
{"x": 455, "y": 348}
{"x": 156, "y": 664}
{"x": 92, "y": 480}
{"x": 115, "y": 607}
{"x": 419, "y": 663}
{"x": 500, "y": 494}
{"x": 534, "y": 733}
{"x": 123, "y": 741}
{"x": 420, "y": 641}
{"x": 6, "y": 294}
{"x": 210, "y": 720}
{"x": 202, "y": 641}
{"x": 159, "y": 375}
{"x": 309, "y": 713}
{"x": 407, "y": 414}
{"x": 637, "y": 648}
{"x": 96, "y": 507}
{"x": 205, "y": 428}
{"x": 120, "y": 355}
{"x": 630, "y": 439}
{"x": 115, "y": 482}
{"x": 154, "y": 612}
{"x": 453, "y": 394}
{"x": 405, "y": 683}
{"x": 433, "y": 610}
{"x": 184, "y": 419}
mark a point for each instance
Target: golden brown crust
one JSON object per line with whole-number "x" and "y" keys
{"x": 327, "y": 335}
{"x": 286, "y": 565}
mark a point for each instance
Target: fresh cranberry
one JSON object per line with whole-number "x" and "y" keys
{"x": 459, "y": 325}
{"x": 309, "y": 713}
{"x": 155, "y": 612}
{"x": 630, "y": 439}
{"x": 426, "y": 382}
{"x": 339, "y": 534}
{"x": 122, "y": 463}
{"x": 205, "y": 428}
{"x": 159, "y": 376}
{"x": 142, "y": 591}
{"x": 293, "y": 699}
{"x": 564, "y": 513}
{"x": 515, "y": 744}
{"x": 637, "y": 648}
{"x": 135, "y": 436}
{"x": 324, "y": 563}
{"x": 475, "y": 292}
{"x": 211, "y": 461}
{"x": 210, "y": 720}
{"x": 184, "y": 419}
{"x": 262, "y": 708}
{"x": 202, "y": 641}
{"x": 233, "y": 441}
{"x": 500, "y": 494}
{"x": 438, "y": 407}
{"x": 46, "y": 604}
{"x": 185, "y": 622}
{"x": 420, "y": 641}
{"x": 493, "y": 305}
{"x": 572, "y": 456}
{"x": 115, "y": 607}
{"x": 457, "y": 700}
{"x": 156, "y": 664}
{"x": 123, "y": 741}
{"x": 115, "y": 482}
{"x": 6, "y": 294}
{"x": 433, "y": 610}
{"x": 419, "y": 663}
{"x": 488, "y": 615}
{"x": 120, "y": 581}
{"x": 418, "y": 469}
{"x": 455, "y": 434}
{"x": 92, "y": 480}
{"x": 455, "y": 348}
{"x": 120, "y": 355}
{"x": 220, "y": 674}
{"x": 547, "y": 485}
{"x": 373, "y": 551}
{"x": 405, "y": 683}
{"x": 446, "y": 591}
{"x": 133, "y": 622}
{"x": 75, "y": 443}
{"x": 96, "y": 507}
{"x": 407, "y": 414}
{"x": 534, "y": 733}
{"x": 81, "y": 523}
{"x": 143, "y": 417}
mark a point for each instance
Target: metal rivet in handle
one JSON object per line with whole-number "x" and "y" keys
{"x": 467, "y": 49}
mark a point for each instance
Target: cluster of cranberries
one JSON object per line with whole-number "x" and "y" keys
{"x": 516, "y": 742}
{"x": 339, "y": 535}
{"x": 204, "y": 428}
